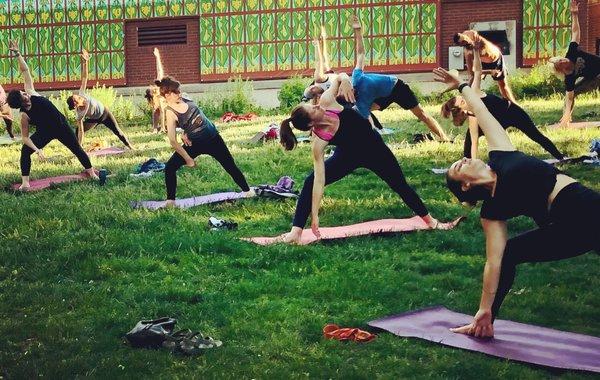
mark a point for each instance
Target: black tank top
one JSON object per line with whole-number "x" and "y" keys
{"x": 522, "y": 188}
{"x": 499, "y": 108}
{"x": 353, "y": 130}
{"x": 44, "y": 114}
{"x": 194, "y": 123}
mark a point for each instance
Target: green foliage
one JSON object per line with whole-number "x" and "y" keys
{"x": 235, "y": 97}
{"x": 291, "y": 92}
{"x": 538, "y": 82}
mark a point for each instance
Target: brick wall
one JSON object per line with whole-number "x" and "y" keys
{"x": 179, "y": 61}
{"x": 458, "y": 14}
{"x": 594, "y": 25}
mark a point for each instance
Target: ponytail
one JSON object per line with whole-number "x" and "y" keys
{"x": 301, "y": 120}
{"x": 286, "y": 136}
{"x": 447, "y": 108}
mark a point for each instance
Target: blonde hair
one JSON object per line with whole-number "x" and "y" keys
{"x": 553, "y": 69}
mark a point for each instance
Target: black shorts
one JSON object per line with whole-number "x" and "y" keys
{"x": 401, "y": 94}
{"x": 101, "y": 120}
{"x": 498, "y": 65}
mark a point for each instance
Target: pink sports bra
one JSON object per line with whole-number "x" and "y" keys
{"x": 323, "y": 135}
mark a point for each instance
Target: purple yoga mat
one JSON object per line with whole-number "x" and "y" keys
{"x": 44, "y": 183}
{"x": 190, "y": 202}
{"x": 512, "y": 340}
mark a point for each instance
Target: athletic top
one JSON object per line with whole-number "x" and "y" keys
{"x": 324, "y": 135}
{"x": 353, "y": 131}
{"x": 586, "y": 65}
{"x": 522, "y": 188}
{"x": 93, "y": 109}
{"x": 368, "y": 87}
{"x": 324, "y": 85}
{"x": 44, "y": 114}
{"x": 194, "y": 123}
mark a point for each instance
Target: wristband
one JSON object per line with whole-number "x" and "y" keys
{"x": 462, "y": 85}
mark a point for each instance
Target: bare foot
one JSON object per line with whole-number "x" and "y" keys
{"x": 24, "y": 187}
{"x": 169, "y": 203}
{"x": 250, "y": 193}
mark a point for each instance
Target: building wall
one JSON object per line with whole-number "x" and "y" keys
{"x": 594, "y": 26}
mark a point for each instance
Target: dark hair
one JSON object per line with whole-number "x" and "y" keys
{"x": 300, "y": 119}
{"x": 167, "y": 85}
{"x": 71, "y": 102}
{"x": 149, "y": 94}
{"x": 456, "y": 38}
{"x": 14, "y": 99}
{"x": 471, "y": 196}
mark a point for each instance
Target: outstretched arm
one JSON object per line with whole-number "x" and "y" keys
{"x": 85, "y": 57}
{"x": 358, "y": 39}
{"x": 326, "y": 64}
{"x": 160, "y": 73}
{"x": 575, "y": 29}
{"x": 477, "y": 68}
{"x": 495, "y": 135}
{"x": 318, "y": 149}
{"x": 319, "y": 75}
{"x": 27, "y": 79}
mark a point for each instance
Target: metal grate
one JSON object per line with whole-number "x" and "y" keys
{"x": 162, "y": 35}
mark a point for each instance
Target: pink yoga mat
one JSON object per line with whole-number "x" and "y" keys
{"x": 190, "y": 202}
{"x": 512, "y": 340}
{"x": 106, "y": 152}
{"x": 44, "y": 183}
{"x": 578, "y": 125}
{"x": 367, "y": 228}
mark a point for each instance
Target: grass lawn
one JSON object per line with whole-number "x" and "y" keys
{"x": 78, "y": 267}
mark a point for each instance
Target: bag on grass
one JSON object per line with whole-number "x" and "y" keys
{"x": 151, "y": 334}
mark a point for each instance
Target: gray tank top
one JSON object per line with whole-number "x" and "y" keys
{"x": 194, "y": 123}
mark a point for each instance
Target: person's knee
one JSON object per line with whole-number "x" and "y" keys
{"x": 26, "y": 151}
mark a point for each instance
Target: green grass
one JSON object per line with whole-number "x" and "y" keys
{"x": 78, "y": 267}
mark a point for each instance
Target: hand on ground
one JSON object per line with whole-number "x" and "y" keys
{"x": 481, "y": 327}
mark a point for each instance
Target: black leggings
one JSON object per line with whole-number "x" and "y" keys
{"x": 573, "y": 232}
{"x": 378, "y": 158}
{"x": 519, "y": 119}
{"x": 214, "y": 147}
{"x": 110, "y": 122}
{"x": 587, "y": 85}
{"x": 40, "y": 139}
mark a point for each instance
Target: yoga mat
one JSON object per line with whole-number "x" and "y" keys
{"x": 512, "y": 340}
{"x": 44, "y": 183}
{"x": 578, "y": 125}
{"x": 106, "y": 152}
{"x": 439, "y": 170}
{"x": 367, "y": 228}
{"x": 190, "y": 202}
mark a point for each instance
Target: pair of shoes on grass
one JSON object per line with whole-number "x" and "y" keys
{"x": 221, "y": 224}
{"x": 188, "y": 342}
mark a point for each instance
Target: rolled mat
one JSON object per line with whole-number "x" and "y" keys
{"x": 106, "y": 152}
{"x": 578, "y": 125}
{"x": 44, "y": 183}
{"x": 190, "y": 202}
{"x": 512, "y": 340}
{"x": 374, "y": 227}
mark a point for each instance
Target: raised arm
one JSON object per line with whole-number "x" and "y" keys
{"x": 358, "y": 39}
{"x": 27, "y": 79}
{"x": 160, "y": 72}
{"x": 85, "y": 57}
{"x": 575, "y": 29}
{"x": 495, "y": 135}
{"x": 477, "y": 68}
{"x": 341, "y": 85}
{"x": 319, "y": 75}
{"x": 326, "y": 64}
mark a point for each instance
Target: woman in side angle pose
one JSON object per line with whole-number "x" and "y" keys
{"x": 576, "y": 64}
{"x": 377, "y": 92}
{"x": 508, "y": 115}
{"x": 513, "y": 184}
{"x": 50, "y": 124}
{"x": 491, "y": 57}
{"x": 91, "y": 112}
{"x": 200, "y": 137}
{"x": 357, "y": 145}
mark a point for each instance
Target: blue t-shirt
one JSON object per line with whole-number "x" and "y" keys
{"x": 368, "y": 87}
